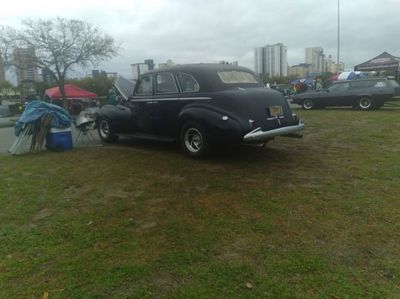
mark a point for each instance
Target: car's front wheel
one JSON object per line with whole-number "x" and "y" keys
{"x": 105, "y": 132}
{"x": 307, "y": 104}
{"x": 193, "y": 140}
{"x": 365, "y": 103}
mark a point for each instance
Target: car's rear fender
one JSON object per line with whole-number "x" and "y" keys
{"x": 216, "y": 123}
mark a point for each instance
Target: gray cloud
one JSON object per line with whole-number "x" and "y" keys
{"x": 208, "y": 31}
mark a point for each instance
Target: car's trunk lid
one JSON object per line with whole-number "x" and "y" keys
{"x": 263, "y": 108}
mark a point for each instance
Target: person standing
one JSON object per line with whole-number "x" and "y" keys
{"x": 111, "y": 97}
{"x": 318, "y": 85}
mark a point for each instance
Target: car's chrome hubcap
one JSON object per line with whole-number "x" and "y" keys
{"x": 193, "y": 140}
{"x": 365, "y": 103}
{"x": 307, "y": 104}
{"x": 104, "y": 129}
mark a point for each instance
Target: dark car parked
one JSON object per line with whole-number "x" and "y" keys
{"x": 365, "y": 94}
{"x": 200, "y": 105}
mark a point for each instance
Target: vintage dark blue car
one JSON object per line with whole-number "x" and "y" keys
{"x": 200, "y": 105}
{"x": 364, "y": 94}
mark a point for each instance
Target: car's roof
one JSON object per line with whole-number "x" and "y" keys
{"x": 206, "y": 75}
{"x": 360, "y": 80}
{"x": 200, "y": 67}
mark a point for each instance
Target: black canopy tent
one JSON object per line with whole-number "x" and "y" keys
{"x": 382, "y": 62}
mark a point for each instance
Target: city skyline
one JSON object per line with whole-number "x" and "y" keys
{"x": 190, "y": 32}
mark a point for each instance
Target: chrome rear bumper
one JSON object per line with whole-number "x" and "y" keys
{"x": 259, "y": 135}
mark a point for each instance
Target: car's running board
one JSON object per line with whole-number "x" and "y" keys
{"x": 148, "y": 137}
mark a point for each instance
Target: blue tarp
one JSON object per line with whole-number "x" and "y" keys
{"x": 36, "y": 109}
{"x": 308, "y": 81}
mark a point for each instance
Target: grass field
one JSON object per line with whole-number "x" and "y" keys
{"x": 317, "y": 217}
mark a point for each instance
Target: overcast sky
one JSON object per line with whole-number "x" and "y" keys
{"x": 189, "y": 31}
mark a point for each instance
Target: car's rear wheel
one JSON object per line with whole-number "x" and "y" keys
{"x": 365, "y": 103}
{"x": 307, "y": 104}
{"x": 193, "y": 140}
{"x": 105, "y": 131}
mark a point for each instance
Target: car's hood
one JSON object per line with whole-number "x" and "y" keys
{"x": 124, "y": 86}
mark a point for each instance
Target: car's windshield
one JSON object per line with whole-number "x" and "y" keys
{"x": 236, "y": 77}
{"x": 145, "y": 85}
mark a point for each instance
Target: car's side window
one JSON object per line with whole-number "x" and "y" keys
{"x": 339, "y": 87}
{"x": 165, "y": 83}
{"x": 380, "y": 84}
{"x": 145, "y": 86}
{"x": 187, "y": 83}
{"x": 360, "y": 84}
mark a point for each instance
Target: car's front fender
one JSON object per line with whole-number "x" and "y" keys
{"x": 118, "y": 116}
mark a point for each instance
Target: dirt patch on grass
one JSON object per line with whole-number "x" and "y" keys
{"x": 120, "y": 194}
{"x": 42, "y": 214}
{"x": 164, "y": 281}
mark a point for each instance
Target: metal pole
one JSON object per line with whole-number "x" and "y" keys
{"x": 338, "y": 35}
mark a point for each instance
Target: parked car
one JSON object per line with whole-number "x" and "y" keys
{"x": 365, "y": 94}
{"x": 10, "y": 109}
{"x": 200, "y": 105}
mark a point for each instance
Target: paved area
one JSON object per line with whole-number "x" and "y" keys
{"x": 6, "y": 138}
{"x": 7, "y": 121}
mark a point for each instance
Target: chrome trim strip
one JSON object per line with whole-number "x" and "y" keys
{"x": 259, "y": 135}
{"x": 172, "y": 99}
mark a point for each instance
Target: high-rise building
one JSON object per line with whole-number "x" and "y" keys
{"x": 314, "y": 56}
{"x": 47, "y": 76}
{"x": 25, "y": 70}
{"x": 150, "y": 64}
{"x": 2, "y": 73}
{"x": 258, "y": 60}
{"x": 271, "y": 60}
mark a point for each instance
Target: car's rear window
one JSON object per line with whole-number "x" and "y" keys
{"x": 188, "y": 83}
{"x": 236, "y": 77}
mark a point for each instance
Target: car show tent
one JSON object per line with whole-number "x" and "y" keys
{"x": 382, "y": 62}
{"x": 72, "y": 92}
{"x": 77, "y": 98}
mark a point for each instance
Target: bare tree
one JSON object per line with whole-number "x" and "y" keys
{"x": 59, "y": 44}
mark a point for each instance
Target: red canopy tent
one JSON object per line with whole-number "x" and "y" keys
{"x": 334, "y": 78}
{"x": 72, "y": 92}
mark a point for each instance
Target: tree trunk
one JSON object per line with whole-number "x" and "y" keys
{"x": 63, "y": 95}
